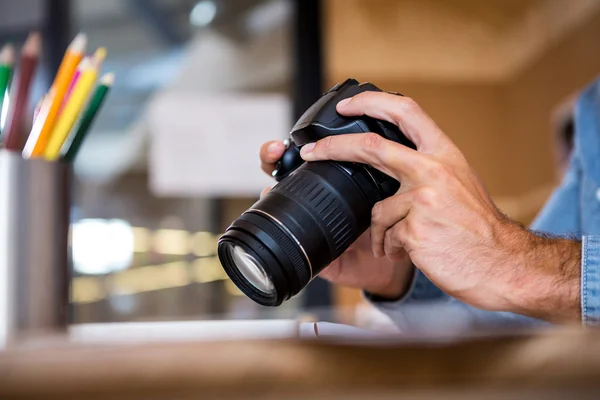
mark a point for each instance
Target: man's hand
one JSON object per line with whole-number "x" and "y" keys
{"x": 444, "y": 218}
{"x": 357, "y": 267}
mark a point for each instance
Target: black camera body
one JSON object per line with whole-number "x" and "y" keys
{"x": 322, "y": 120}
{"x": 314, "y": 213}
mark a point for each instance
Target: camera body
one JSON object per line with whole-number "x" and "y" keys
{"x": 316, "y": 210}
{"x": 322, "y": 120}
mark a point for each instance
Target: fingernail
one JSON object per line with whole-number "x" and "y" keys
{"x": 306, "y": 151}
{"x": 273, "y": 147}
{"x": 343, "y": 103}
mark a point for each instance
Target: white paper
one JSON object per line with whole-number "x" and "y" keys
{"x": 328, "y": 329}
{"x": 209, "y": 145}
{"x": 138, "y": 332}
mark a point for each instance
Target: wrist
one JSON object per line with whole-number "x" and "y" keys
{"x": 545, "y": 283}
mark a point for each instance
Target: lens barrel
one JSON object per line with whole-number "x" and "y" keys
{"x": 303, "y": 224}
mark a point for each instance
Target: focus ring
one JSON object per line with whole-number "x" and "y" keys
{"x": 327, "y": 205}
{"x": 289, "y": 247}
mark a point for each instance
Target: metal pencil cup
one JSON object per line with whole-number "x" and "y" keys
{"x": 34, "y": 257}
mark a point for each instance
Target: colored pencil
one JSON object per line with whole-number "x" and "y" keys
{"x": 70, "y": 150}
{"x": 7, "y": 59}
{"x": 77, "y": 101}
{"x": 47, "y": 118}
{"x": 82, "y": 65}
{"x": 38, "y": 107}
{"x": 19, "y": 94}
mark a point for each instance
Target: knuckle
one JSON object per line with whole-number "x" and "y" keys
{"x": 377, "y": 213}
{"x": 439, "y": 171}
{"x": 326, "y": 144}
{"x": 363, "y": 97}
{"x": 372, "y": 141}
{"x": 408, "y": 104}
{"x": 426, "y": 195}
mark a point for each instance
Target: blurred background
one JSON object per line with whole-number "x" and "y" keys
{"x": 173, "y": 157}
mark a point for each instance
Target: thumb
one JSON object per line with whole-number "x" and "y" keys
{"x": 265, "y": 191}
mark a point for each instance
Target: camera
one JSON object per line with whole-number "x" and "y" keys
{"x": 315, "y": 211}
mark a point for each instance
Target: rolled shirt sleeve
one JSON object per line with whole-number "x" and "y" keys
{"x": 590, "y": 280}
{"x": 425, "y": 310}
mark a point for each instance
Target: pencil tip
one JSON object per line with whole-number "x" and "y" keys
{"x": 79, "y": 44}
{"x": 7, "y": 55}
{"x": 99, "y": 57}
{"x": 107, "y": 79}
{"x": 100, "y": 54}
{"x": 32, "y": 44}
{"x": 84, "y": 63}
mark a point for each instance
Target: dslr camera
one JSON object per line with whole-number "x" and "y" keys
{"x": 314, "y": 212}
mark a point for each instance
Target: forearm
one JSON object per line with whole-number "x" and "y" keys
{"x": 539, "y": 277}
{"x": 544, "y": 285}
{"x": 545, "y": 280}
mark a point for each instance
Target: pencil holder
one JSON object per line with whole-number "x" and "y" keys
{"x": 13, "y": 252}
{"x": 46, "y": 297}
{"x": 36, "y": 223}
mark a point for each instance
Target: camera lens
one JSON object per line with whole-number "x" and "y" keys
{"x": 274, "y": 249}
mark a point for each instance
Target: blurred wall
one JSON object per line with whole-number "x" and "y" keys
{"x": 501, "y": 118}
{"x": 500, "y": 121}
{"x": 532, "y": 96}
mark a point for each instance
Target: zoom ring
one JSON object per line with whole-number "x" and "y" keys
{"x": 327, "y": 206}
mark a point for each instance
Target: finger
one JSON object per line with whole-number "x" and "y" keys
{"x": 394, "y": 238}
{"x": 399, "y": 255}
{"x": 270, "y": 153}
{"x": 391, "y": 158}
{"x": 385, "y": 215}
{"x": 265, "y": 191}
{"x": 401, "y": 111}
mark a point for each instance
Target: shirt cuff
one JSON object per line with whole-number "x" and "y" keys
{"x": 392, "y": 304}
{"x": 590, "y": 280}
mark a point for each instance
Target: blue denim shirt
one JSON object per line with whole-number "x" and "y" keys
{"x": 573, "y": 209}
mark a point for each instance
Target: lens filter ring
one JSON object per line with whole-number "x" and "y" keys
{"x": 287, "y": 240}
{"x": 239, "y": 279}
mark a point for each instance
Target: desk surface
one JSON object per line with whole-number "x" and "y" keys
{"x": 552, "y": 364}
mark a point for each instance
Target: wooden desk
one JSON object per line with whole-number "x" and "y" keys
{"x": 553, "y": 364}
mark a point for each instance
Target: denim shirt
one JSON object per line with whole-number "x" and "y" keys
{"x": 573, "y": 209}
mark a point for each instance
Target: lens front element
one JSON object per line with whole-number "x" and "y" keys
{"x": 250, "y": 268}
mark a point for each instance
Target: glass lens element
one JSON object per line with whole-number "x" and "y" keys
{"x": 251, "y": 270}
